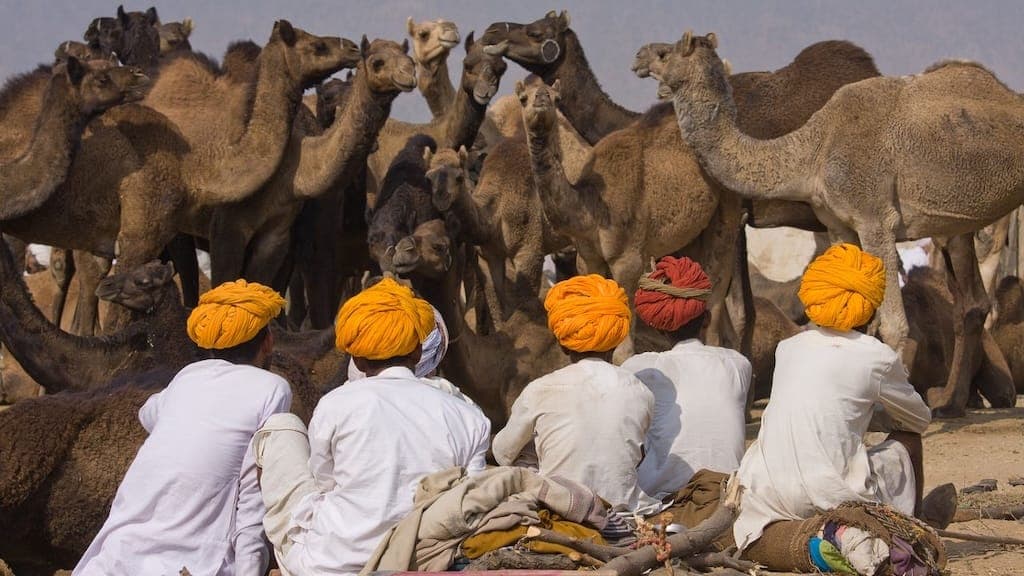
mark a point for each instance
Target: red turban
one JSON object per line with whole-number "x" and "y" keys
{"x": 673, "y": 294}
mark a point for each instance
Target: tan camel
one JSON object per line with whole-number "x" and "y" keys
{"x": 859, "y": 161}
{"x": 481, "y": 75}
{"x": 629, "y": 206}
{"x": 251, "y": 239}
{"x": 1008, "y": 328}
{"x": 491, "y": 369}
{"x": 174, "y": 37}
{"x": 33, "y": 168}
{"x": 432, "y": 41}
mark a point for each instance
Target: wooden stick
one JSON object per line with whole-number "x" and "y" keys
{"x": 993, "y": 513}
{"x": 710, "y": 560}
{"x": 599, "y": 551}
{"x": 981, "y": 538}
{"x": 685, "y": 544}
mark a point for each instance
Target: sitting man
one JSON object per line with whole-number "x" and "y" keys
{"x": 700, "y": 392}
{"x": 586, "y": 421}
{"x": 190, "y": 498}
{"x": 809, "y": 454}
{"x": 331, "y": 499}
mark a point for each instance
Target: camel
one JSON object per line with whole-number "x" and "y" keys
{"x": 1008, "y": 328}
{"x": 174, "y": 37}
{"x": 859, "y": 163}
{"x": 481, "y": 75}
{"x": 432, "y": 41}
{"x": 78, "y": 50}
{"x": 133, "y": 36}
{"x": 491, "y": 369}
{"x": 771, "y": 326}
{"x": 251, "y": 239}
{"x": 628, "y": 207}
{"x": 33, "y": 168}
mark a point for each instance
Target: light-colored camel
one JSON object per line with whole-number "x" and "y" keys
{"x": 639, "y": 199}
{"x": 481, "y": 75}
{"x": 174, "y": 36}
{"x": 432, "y": 41}
{"x": 250, "y": 239}
{"x": 33, "y": 167}
{"x": 886, "y": 159}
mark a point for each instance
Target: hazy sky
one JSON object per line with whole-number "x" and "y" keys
{"x": 905, "y": 36}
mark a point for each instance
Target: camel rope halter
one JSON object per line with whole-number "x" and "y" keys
{"x": 652, "y": 285}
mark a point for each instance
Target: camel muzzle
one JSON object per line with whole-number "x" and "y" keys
{"x": 498, "y": 49}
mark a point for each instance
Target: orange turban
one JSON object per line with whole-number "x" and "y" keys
{"x": 673, "y": 294}
{"x": 232, "y": 314}
{"x": 842, "y": 288}
{"x": 588, "y": 313}
{"x": 383, "y": 321}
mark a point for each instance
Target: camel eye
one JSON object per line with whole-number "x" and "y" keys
{"x": 535, "y": 34}
{"x": 460, "y": 178}
{"x": 424, "y": 35}
{"x": 377, "y": 65}
{"x": 320, "y": 48}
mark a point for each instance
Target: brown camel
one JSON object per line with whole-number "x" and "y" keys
{"x": 133, "y": 36}
{"x": 628, "y": 207}
{"x": 251, "y": 239}
{"x": 174, "y": 36}
{"x": 491, "y": 369}
{"x": 1008, "y": 328}
{"x": 31, "y": 169}
{"x": 481, "y": 75}
{"x": 771, "y": 326}
{"x": 859, "y": 163}
{"x": 432, "y": 41}
{"x": 78, "y": 50}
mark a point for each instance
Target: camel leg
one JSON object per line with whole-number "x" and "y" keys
{"x": 19, "y": 251}
{"x": 182, "y": 252}
{"x": 91, "y": 271}
{"x": 894, "y": 327}
{"x": 62, "y": 268}
{"x": 626, "y": 270}
{"x": 268, "y": 254}
{"x": 994, "y": 380}
{"x": 229, "y": 246}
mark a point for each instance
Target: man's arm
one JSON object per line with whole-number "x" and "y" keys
{"x": 478, "y": 462}
{"x": 150, "y": 412}
{"x": 518, "y": 431}
{"x": 904, "y": 405}
{"x": 252, "y": 553}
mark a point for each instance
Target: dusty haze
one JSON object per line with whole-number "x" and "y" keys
{"x": 905, "y": 36}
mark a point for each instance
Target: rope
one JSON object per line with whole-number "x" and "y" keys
{"x": 655, "y": 286}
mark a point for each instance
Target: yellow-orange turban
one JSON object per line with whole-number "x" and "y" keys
{"x": 232, "y": 314}
{"x": 588, "y": 313}
{"x": 383, "y": 321}
{"x": 842, "y": 288}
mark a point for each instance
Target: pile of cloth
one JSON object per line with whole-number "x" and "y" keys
{"x": 855, "y": 538}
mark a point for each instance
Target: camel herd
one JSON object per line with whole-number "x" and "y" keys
{"x": 131, "y": 148}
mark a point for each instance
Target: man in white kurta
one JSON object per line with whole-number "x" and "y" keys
{"x": 369, "y": 441}
{"x": 810, "y": 454}
{"x": 190, "y": 498}
{"x": 585, "y": 422}
{"x": 700, "y": 391}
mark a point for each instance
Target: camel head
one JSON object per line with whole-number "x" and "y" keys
{"x": 540, "y": 104}
{"x": 140, "y": 289}
{"x": 448, "y": 173}
{"x": 535, "y": 46}
{"x": 650, "y": 59}
{"x": 331, "y": 94}
{"x": 83, "y": 52}
{"x": 481, "y": 72}
{"x": 309, "y": 57}
{"x": 102, "y": 84}
{"x": 427, "y": 252}
{"x": 174, "y": 36}
{"x": 104, "y": 34}
{"x": 694, "y": 67}
{"x": 1010, "y": 300}
{"x": 387, "y": 66}
{"x": 432, "y": 40}
{"x": 140, "y": 39}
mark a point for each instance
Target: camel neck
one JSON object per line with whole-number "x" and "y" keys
{"x": 752, "y": 168}
{"x": 562, "y": 203}
{"x": 477, "y": 227}
{"x": 589, "y": 109}
{"x": 462, "y": 121}
{"x": 435, "y": 85}
{"x": 30, "y": 180}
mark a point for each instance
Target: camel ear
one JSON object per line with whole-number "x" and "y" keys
{"x": 348, "y": 76}
{"x": 410, "y": 26}
{"x": 113, "y": 59}
{"x": 187, "y": 27}
{"x": 75, "y": 70}
{"x": 121, "y": 15}
{"x": 470, "y": 41}
{"x": 521, "y": 91}
{"x": 728, "y": 66}
{"x": 405, "y": 46}
{"x": 463, "y": 157}
{"x": 284, "y": 30}
{"x": 685, "y": 44}
{"x": 564, "y": 17}
{"x": 551, "y": 14}
{"x": 151, "y": 16}
{"x": 428, "y": 155}
{"x": 364, "y": 47}
{"x": 166, "y": 274}
{"x": 713, "y": 40}
{"x": 557, "y": 86}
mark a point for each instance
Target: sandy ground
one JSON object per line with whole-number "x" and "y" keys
{"x": 984, "y": 444}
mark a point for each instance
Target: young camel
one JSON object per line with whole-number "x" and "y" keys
{"x": 886, "y": 159}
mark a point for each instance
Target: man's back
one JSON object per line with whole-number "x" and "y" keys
{"x": 178, "y": 499}
{"x": 371, "y": 441}
{"x": 699, "y": 415}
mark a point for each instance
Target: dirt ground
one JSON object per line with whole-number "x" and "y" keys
{"x": 984, "y": 444}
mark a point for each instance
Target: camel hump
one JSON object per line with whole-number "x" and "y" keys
{"x": 956, "y": 62}
{"x": 829, "y": 52}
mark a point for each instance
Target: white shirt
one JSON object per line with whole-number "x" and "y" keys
{"x": 700, "y": 406}
{"x": 587, "y": 422}
{"x": 190, "y": 498}
{"x": 810, "y": 453}
{"x": 371, "y": 441}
